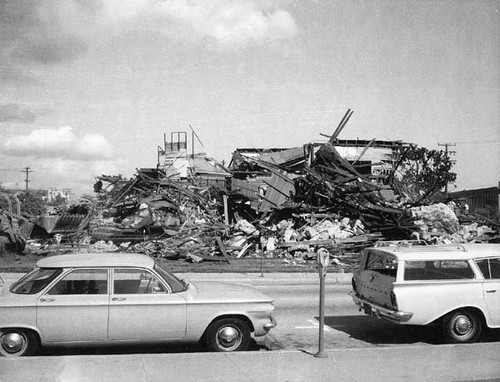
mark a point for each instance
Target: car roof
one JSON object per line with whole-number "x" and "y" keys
{"x": 96, "y": 260}
{"x": 442, "y": 252}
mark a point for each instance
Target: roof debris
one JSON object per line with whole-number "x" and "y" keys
{"x": 274, "y": 203}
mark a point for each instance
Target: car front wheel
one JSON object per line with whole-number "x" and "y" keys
{"x": 462, "y": 326}
{"x": 228, "y": 334}
{"x": 16, "y": 343}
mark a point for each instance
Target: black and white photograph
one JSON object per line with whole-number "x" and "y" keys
{"x": 249, "y": 190}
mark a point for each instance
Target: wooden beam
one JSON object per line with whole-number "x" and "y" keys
{"x": 223, "y": 249}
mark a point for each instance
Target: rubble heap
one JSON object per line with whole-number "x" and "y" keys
{"x": 273, "y": 203}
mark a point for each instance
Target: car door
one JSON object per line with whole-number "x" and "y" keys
{"x": 143, "y": 308}
{"x": 75, "y": 308}
{"x": 490, "y": 268}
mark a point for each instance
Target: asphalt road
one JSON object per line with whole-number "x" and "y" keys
{"x": 297, "y": 313}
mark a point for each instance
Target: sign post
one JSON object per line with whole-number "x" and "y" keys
{"x": 323, "y": 259}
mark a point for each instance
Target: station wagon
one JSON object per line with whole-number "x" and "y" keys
{"x": 456, "y": 287}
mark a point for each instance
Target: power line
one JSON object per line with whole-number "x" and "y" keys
{"x": 27, "y": 171}
{"x": 477, "y": 143}
{"x": 447, "y": 154}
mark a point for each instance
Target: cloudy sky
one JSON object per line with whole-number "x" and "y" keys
{"x": 89, "y": 87}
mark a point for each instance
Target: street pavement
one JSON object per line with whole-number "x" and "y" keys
{"x": 414, "y": 362}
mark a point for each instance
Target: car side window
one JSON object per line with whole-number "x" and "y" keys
{"x": 82, "y": 281}
{"x": 136, "y": 281}
{"x": 490, "y": 268}
{"x": 438, "y": 270}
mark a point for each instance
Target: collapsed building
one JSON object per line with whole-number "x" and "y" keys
{"x": 342, "y": 195}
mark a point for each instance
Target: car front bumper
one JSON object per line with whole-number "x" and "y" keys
{"x": 271, "y": 324}
{"x": 373, "y": 309}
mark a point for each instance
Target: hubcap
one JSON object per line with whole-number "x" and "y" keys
{"x": 228, "y": 337}
{"x": 12, "y": 342}
{"x": 463, "y": 325}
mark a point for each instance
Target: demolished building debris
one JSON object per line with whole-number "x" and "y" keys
{"x": 342, "y": 195}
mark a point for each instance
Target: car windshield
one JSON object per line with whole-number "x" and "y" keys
{"x": 35, "y": 281}
{"x": 176, "y": 284}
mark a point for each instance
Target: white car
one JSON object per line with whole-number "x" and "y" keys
{"x": 119, "y": 298}
{"x": 456, "y": 286}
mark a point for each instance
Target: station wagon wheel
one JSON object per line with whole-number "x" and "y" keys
{"x": 16, "y": 343}
{"x": 228, "y": 334}
{"x": 462, "y": 326}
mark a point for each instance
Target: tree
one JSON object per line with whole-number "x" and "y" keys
{"x": 31, "y": 203}
{"x": 423, "y": 173}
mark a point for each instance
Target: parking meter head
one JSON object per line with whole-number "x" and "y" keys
{"x": 323, "y": 257}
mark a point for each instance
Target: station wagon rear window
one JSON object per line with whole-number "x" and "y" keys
{"x": 382, "y": 263}
{"x": 438, "y": 270}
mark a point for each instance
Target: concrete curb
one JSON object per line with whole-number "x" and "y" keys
{"x": 408, "y": 363}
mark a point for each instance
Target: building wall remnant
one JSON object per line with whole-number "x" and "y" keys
{"x": 265, "y": 176}
{"x": 483, "y": 201}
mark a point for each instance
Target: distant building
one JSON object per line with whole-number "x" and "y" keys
{"x": 53, "y": 194}
{"x": 483, "y": 201}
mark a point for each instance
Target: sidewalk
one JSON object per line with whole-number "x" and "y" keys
{"x": 479, "y": 362}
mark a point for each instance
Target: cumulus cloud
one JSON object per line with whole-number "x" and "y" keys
{"x": 61, "y": 143}
{"x": 229, "y": 23}
{"x": 11, "y": 112}
{"x": 62, "y": 30}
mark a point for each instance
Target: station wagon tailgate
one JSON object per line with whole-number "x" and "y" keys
{"x": 375, "y": 278}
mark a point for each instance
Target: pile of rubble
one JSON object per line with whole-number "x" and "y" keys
{"x": 276, "y": 203}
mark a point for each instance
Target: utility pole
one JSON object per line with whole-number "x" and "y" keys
{"x": 447, "y": 153}
{"x": 27, "y": 171}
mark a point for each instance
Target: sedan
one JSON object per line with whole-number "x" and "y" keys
{"x": 122, "y": 298}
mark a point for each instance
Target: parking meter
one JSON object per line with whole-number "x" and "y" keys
{"x": 323, "y": 259}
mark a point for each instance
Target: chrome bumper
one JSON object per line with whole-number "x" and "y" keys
{"x": 373, "y": 309}
{"x": 271, "y": 324}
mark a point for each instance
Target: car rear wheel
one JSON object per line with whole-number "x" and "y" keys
{"x": 228, "y": 334}
{"x": 17, "y": 342}
{"x": 462, "y": 326}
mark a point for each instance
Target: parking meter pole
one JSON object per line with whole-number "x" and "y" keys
{"x": 58, "y": 238}
{"x": 322, "y": 274}
{"x": 261, "y": 261}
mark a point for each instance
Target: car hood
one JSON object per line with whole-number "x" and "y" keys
{"x": 212, "y": 291}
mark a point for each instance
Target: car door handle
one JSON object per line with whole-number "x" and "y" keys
{"x": 118, "y": 299}
{"x": 491, "y": 290}
{"x": 47, "y": 299}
